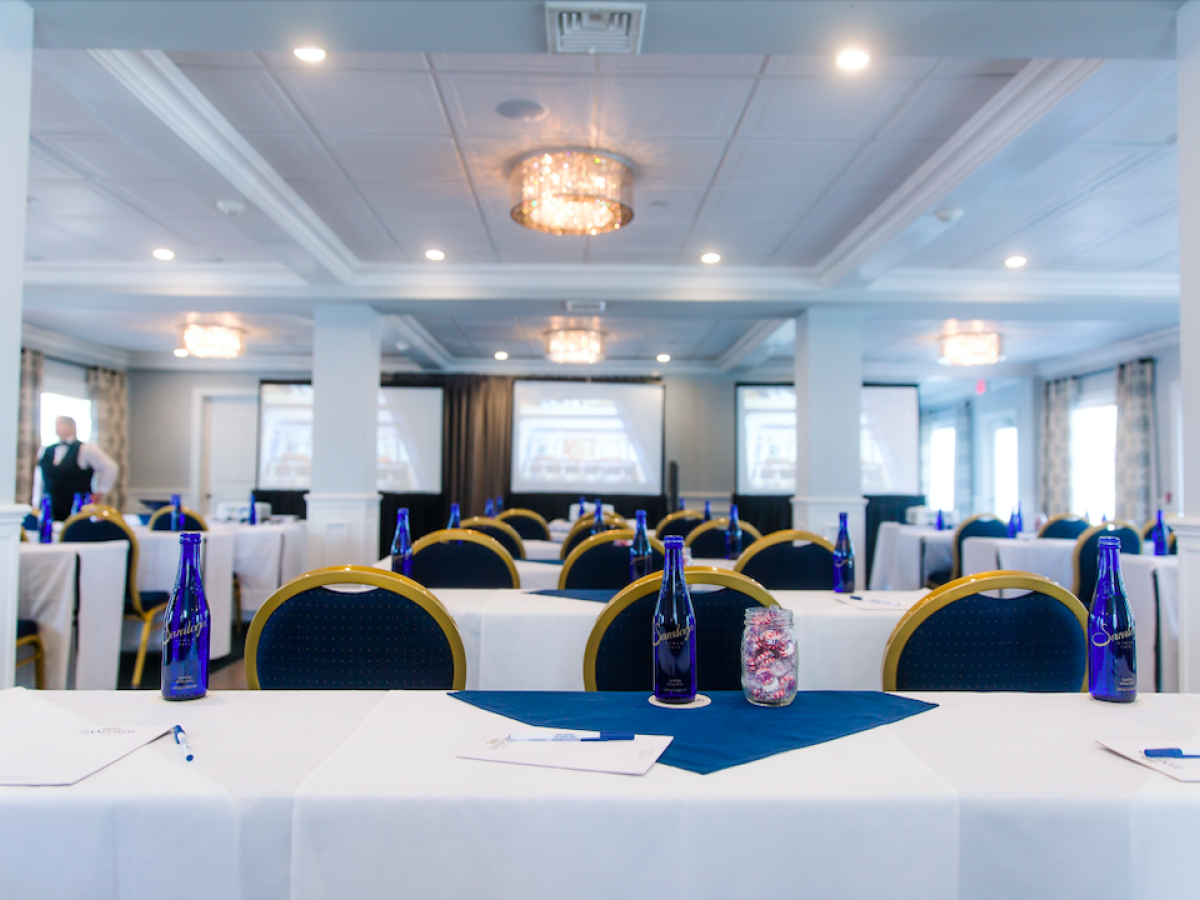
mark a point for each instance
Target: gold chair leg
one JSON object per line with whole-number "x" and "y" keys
{"x": 39, "y": 667}
{"x": 237, "y": 604}
{"x": 136, "y": 682}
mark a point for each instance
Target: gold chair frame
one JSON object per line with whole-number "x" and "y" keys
{"x": 445, "y": 535}
{"x": 612, "y": 520}
{"x": 675, "y": 517}
{"x": 956, "y": 544}
{"x": 496, "y": 523}
{"x": 166, "y": 511}
{"x": 526, "y": 514}
{"x": 596, "y": 540}
{"x": 650, "y": 584}
{"x": 1085, "y": 536}
{"x": 1061, "y": 517}
{"x": 782, "y": 536}
{"x": 378, "y": 578}
{"x": 721, "y": 523}
{"x": 38, "y": 659}
{"x": 941, "y": 597}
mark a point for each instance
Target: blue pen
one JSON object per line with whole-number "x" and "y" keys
{"x": 181, "y": 742}
{"x": 1169, "y": 753}
{"x": 567, "y": 736}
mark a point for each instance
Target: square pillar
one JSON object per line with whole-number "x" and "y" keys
{"x": 828, "y": 430}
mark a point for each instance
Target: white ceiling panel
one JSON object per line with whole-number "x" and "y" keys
{"x": 249, "y": 98}
{"x": 826, "y": 67}
{"x": 471, "y": 99}
{"x": 45, "y": 240}
{"x": 1133, "y": 249}
{"x": 343, "y": 210}
{"x": 1151, "y": 118}
{"x": 520, "y": 245}
{"x": 678, "y": 162}
{"x": 847, "y": 109}
{"x": 1114, "y": 209}
{"x": 888, "y": 162}
{"x": 72, "y": 198}
{"x": 229, "y": 59}
{"x": 758, "y": 203}
{"x": 785, "y": 163}
{"x": 562, "y": 64}
{"x": 366, "y": 102}
{"x": 646, "y": 233}
{"x": 44, "y": 168}
{"x": 293, "y": 155}
{"x": 222, "y": 237}
{"x": 1066, "y": 172}
{"x": 452, "y": 234}
{"x": 679, "y": 64}
{"x": 169, "y": 199}
{"x": 830, "y": 220}
{"x": 1158, "y": 174}
{"x": 661, "y": 201}
{"x": 940, "y": 106}
{"x": 355, "y": 59}
{"x": 107, "y": 158}
{"x": 397, "y": 198}
{"x": 397, "y": 158}
{"x": 631, "y": 255}
{"x": 52, "y": 110}
{"x": 133, "y": 237}
{"x": 669, "y": 107}
{"x": 951, "y": 66}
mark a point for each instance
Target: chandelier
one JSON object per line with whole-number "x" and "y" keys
{"x": 572, "y": 192}
{"x": 215, "y": 341}
{"x": 574, "y": 345}
{"x": 971, "y": 349}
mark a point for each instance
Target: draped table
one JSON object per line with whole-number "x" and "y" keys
{"x": 265, "y": 557}
{"x": 905, "y": 555}
{"x": 316, "y": 796}
{"x": 50, "y": 576}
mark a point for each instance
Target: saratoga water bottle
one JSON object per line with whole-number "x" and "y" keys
{"x": 1020, "y": 518}
{"x": 1013, "y": 526}
{"x": 489, "y": 509}
{"x": 733, "y": 534}
{"x": 76, "y": 504}
{"x": 402, "y": 546}
{"x": 1160, "y": 535}
{"x": 499, "y": 505}
{"x": 1112, "y": 663}
{"x": 582, "y": 507}
{"x": 674, "y": 632}
{"x": 941, "y": 521}
{"x": 455, "y": 517}
{"x": 843, "y": 558}
{"x": 185, "y": 628}
{"x": 176, "y": 513}
{"x": 641, "y": 555}
{"x": 46, "y": 520}
{"x": 598, "y": 518}
{"x": 252, "y": 516}
{"x": 707, "y": 510}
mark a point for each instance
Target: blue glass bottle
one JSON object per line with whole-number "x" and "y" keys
{"x": 641, "y": 555}
{"x": 1112, "y": 660}
{"x": 674, "y": 632}
{"x": 489, "y": 509}
{"x": 707, "y": 510}
{"x": 733, "y": 534}
{"x": 46, "y": 521}
{"x": 1020, "y": 519}
{"x": 1160, "y": 535}
{"x": 582, "y": 506}
{"x": 76, "y": 504}
{"x": 598, "y": 519}
{"x": 843, "y": 558}
{"x": 185, "y": 633}
{"x": 682, "y": 503}
{"x": 941, "y": 521}
{"x": 455, "y": 517}
{"x": 402, "y": 546}
{"x": 1012, "y": 524}
{"x": 499, "y": 505}
{"x": 252, "y": 517}
{"x": 176, "y": 513}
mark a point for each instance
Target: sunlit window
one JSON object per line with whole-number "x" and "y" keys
{"x": 1004, "y": 470}
{"x": 941, "y": 468}
{"x": 1094, "y": 461}
{"x": 55, "y": 405}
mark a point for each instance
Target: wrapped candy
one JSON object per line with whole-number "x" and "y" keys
{"x": 770, "y": 665}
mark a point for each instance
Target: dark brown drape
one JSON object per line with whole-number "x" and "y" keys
{"x": 477, "y": 440}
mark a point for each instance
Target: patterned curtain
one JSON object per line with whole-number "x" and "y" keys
{"x": 964, "y": 459}
{"x": 1056, "y": 445}
{"x": 109, "y": 391}
{"x": 29, "y": 422}
{"x": 1136, "y": 450}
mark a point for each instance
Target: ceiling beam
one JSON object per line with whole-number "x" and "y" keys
{"x": 418, "y": 338}
{"x": 740, "y": 353}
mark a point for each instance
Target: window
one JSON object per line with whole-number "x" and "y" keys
{"x": 54, "y": 405}
{"x": 1094, "y": 461}
{"x": 941, "y": 467}
{"x": 1005, "y": 492}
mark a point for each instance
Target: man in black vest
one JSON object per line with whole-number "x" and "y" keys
{"x": 71, "y": 467}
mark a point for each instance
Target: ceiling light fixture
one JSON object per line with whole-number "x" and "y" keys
{"x": 663, "y": 357}
{"x": 435, "y": 255}
{"x": 501, "y": 355}
{"x": 570, "y": 345}
{"x": 213, "y": 341}
{"x": 853, "y": 59}
{"x": 162, "y": 254}
{"x": 309, "y": 54}
{"x": 572, "y": 192}
{"x": 971, "y": 349}
{"x": 1015, "y": 262}
{"x": 181, "y": 352}
{"x": 710, "y": 259}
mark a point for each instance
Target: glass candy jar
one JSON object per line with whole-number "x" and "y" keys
{"x": 769, "y": 662}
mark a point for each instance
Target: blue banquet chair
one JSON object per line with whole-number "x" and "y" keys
{"x": 680, "y": 522}
{"x": 602, "y": 561}
{"x": 99, "y": 523}
{"x": 1067, "y": 526}
{"x": 707, "y": 539}
{"x": 161, "y": 520}
{"x": 504, "y": 533}
{"x": 1087, "y": 554}
{"x": 582, "y": 530}
{"x": 982, "y": 525}
{"x": 528, "y": 524}
{"x": 27, "y": 636}
{"x": 618, "y": 654}
{"x": 789, "y": 560}
{"x": 957, "y": 639}
{"x": 461, "y": 558}
{"x": 381, "y": 632}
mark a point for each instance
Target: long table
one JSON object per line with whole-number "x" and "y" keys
{"x": 317, "y": 796}
{"x": 905, "y": 555}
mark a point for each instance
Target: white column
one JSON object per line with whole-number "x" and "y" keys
{"x": 828, "y": 409}
{"x": 343, "y": 504}
{"x": 16, "y": 67}
{"x": 1188, "y": 529}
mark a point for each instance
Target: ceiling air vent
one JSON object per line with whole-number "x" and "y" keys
{"x": 595, "y": 28}
{"x": 585, "y": 306}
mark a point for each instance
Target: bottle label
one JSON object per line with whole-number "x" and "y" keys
{"x": 1102, "y": 637}
{"x": 190, "y": 629}
{"x": 674, "y": 638}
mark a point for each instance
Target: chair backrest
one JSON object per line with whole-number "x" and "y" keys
{"x": 528, "y": 524}
{"x": 707, "y": 539}
{"x": 789, "y": 560}
{"x": 957, "y": 639}
{"x": 1152, "y": 523}
{"x": 618, "y": 655}
{"x": 1067, "y": 526}
{"x": 602, "y": 561}
{"x": 501, "y": 531}
{"x": 391, "y": 635}
{"x": 461, "y": 558}
{"x": 982, "y": 525}
{"x": 103, "y": 523}
{"x": 1087, "y": 554}
{"x": 680, "y": 522}
{"x": 161, "y": 520}
{"x": 582, "y": 530}
{"x": 1172, "y": 547}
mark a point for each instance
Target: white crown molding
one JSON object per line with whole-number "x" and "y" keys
{"x": 70, "y": 349}
{"x": 163, "y": 278}
{"x": 969, "y": 283}
{"x": 1033, "y": 92}
{"x": 411, "y": 331}
{"x": 748, "y": 344}
{"x": 156, "y": 81}
{"x": 1144, "y": 345}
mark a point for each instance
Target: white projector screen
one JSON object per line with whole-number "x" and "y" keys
{"x": 766, "y": 439}
{"x": 408, "y": 439}
{"x": 587, "y": 437}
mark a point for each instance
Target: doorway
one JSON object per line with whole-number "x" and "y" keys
{"x": 228, "y": 438}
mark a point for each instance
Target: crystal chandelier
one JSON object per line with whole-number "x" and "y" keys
{"x": 574, "y": 345}
{"x": 971, "y": 350}
{"x": 572, "y": 192}
{"x": 215, "y": 341}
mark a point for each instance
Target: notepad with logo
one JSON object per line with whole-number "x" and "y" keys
{"x": 616, "y": 757}
{"x": 1184, "y": 768}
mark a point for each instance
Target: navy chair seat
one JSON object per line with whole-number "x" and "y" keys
{"x": 460, "y": 564}
{"x": 604, "y": 566}
{"x": 26, "y": 628}
{"x": 782, "y": 566}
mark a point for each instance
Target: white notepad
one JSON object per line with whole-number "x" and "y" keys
{"x": 870, "y": 603}
{"x": 1179, "y": 769}
{"x": 617, "y": 757}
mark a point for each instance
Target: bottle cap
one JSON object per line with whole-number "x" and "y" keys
{"x": 189, "y": 537}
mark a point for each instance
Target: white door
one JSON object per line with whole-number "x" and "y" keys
{"x": 229, "y": 439}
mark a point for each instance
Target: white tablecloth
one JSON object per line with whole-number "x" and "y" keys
{"x": 1052, "y": 558}
{"x": 265, "y": 557}
{"x": 1152, "y": 583}
{"x": 542, "y": 549}
{"x": 47, "y": 594}
{"x": 970, "y": 800}
{"x": 905, "y": 555}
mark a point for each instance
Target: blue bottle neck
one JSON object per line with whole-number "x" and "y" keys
{"x": 1109, "y": 583}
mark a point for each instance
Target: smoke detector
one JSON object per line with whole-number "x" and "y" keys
{"x": 585, "y": 306}
{"x": 595, "y": 27}
{"x": 231, "y": 207}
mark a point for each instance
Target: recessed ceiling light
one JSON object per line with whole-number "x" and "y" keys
{"x": 1015, "y": 262}
{"x": 501, "y": 355}
{"x": 163, "y": 254}
{"x": 310, "y": 54}
{"x": 663, "y": 357}
{"x": 181, "y": 352}
{"x": 710, "y": 258}
{"x": 853, "y": 58}
{"x": 435, "y": 255}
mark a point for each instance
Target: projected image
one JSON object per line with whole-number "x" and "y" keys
{"x": 768, "y": 440}
{"x": 577, "y": 436}
{"x": 285, "y": 436}
{"x": 890, "y": 440}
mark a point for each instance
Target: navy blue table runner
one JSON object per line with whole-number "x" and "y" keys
{"x": 596, "y": 595}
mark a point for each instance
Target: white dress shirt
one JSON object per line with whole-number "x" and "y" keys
{"x": 104, "y": 470}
